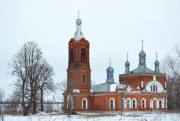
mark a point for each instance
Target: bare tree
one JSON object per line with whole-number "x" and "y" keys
{"x": 171, "y": 66}
{"x": 28, "y": 66}
{"x": 62, "y": 85}
{"x": 2, "y": 96}
{"x": 46, "y": 82}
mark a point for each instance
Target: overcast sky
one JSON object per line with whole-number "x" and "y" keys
{"x": 113, "y": 28}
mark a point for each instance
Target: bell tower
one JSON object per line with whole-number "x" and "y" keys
{"x": 78, "y": 72}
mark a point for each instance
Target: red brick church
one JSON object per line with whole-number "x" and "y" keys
{"x": 139, "y": 89}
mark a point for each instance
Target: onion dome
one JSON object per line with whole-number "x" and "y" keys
{"x": 78, "y": 21}
{"x": 78, "y": 34}
{"x": 142, "y": 54}
{"x": 110, "y": 69}
{"x": 127, "y": 63}
{"x": 156, "y": 63}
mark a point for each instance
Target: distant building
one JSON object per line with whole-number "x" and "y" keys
{"x": 141, "y": 88}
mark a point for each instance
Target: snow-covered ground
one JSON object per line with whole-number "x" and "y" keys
{"x": 127, "y": 116}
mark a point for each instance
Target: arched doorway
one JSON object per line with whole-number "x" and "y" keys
{"x": 154, "y": 104}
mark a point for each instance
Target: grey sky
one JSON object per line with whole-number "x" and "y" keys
{"x": 113, "y": 28}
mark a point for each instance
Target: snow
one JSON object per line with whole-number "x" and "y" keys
{"x": 115, "y": 116}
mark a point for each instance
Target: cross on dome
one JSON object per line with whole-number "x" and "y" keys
{"x": 127, "y": 56}
{"x": 78, "y": 34}
{"x": 156, "y": 55}
{"x": 142, "y": 43}
{"x": 78, "y": 13}
{"x": 109, "y": 61}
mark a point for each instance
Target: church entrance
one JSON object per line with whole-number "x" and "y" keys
{"x": 154, "y": 104}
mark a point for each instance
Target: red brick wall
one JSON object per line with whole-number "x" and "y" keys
{"x": 134, "y": 80}
{"x": 76, "y": 68}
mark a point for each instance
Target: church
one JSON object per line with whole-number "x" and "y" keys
{"x": 138, "y": 89}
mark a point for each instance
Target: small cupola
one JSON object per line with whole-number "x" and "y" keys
{"x": 156, "y": 64}
{"x": 78, "y": 34}
{"x": 127, "y": 64}
{"x": 142, "y": 54}
{"x": 110, "y": 73}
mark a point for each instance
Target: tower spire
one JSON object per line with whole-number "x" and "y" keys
{"x": 156, "y": 55}
{"x": 127, "y": 64}
{"x": 127, "y": 56}
{"x": 109, "y": 61}
{"x": 156, "y": 63}
{"x": 110, "y": 73}
{"x": 142, "y": 43}
{"x": 78, "y": 13}
{"x": 78, "y": 34}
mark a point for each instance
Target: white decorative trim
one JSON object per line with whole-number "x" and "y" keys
{"x": 76, "y": 91}
{"x": 129, "y": 102}
{"x": 129, "y": 89}
{"x": 154, "y": 77}
{"x": 144, "y": 103}
{"x": 155, "y": 83}
{"x": 110, "y": 103}
{"x": 142, "y": 84}
{"x": 86, "y": 103}
{"x": 165, "y": 84}
{"x": 153, "y": 103}
{"x": 124, "y": 103}
{"x": 135, "y": 103}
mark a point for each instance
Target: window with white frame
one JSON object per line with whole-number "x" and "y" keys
{"x": 134, "y": 103}
{"x": 112, "y": 103}
{"x": 143, "y": 103}
{"x": 128, "y": 103}
{"x": 153, "y": 88}
{"x": 84, "y": 103}
{"x": 122, "y": 103}
{"x": 160, "y": 103}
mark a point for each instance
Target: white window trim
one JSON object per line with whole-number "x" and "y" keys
{"x": 144, "y": 103}
{"x": 161, "y": 103}
{"x": 113, "y": 103}
{"x": 135, "y": 103}
{"x": 129, "y": 103}
{"x": 124, "y": 103}
{"x": 86, "y": 103}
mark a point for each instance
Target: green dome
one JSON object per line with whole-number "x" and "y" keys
{"x": 142, "y": 54}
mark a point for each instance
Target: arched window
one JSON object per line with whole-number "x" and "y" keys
{"x": 160, "y": 103}
{"x": 134, "y": 102}
{"x": 71, "y": 55}
{"x": 122, "y": 103}
{"x": 84, "y": 79}
{"x": 111, "y": 103}
{"x": 83, "y": 55}
{"x": 153, "y": 88}
{"x": 128, "y": 103}
{"x": 84, "y": 103}
{"x": 143, "y": 103}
